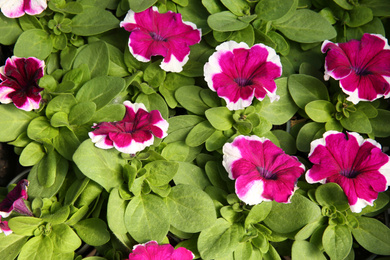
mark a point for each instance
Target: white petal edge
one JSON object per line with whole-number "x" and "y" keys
{"x": 135, "y": 106}
{"x": 135, "y": 147}
{"x": 99, "y": 142}
{"x": 253, "y": 196}
{"x": 359, "y": 205}
{"x": 37, "y": 7}
{"x": 4, "y": 91}
{"x": 174, "y": 65}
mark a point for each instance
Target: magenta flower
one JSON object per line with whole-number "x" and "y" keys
{"x": 165, "y": 34}
{"x": 262, "y": 171}
{"x": 363, "y": 67}
{"x": 238, "y": 73}
{"x": 19, "y": 82}
{"x": 4, "y": 227}
{"x": 153, "y": 251}
{"x": 14, "y": 201}
{"x": 134, "y": 133}
{"x": 17, "y": 8}
{"x": 358, "y": 165}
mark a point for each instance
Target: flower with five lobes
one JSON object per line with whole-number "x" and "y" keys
{"x": 17, "y": 8}
{"x": 14, "y": 201}
{"x": 238, "y": 73}
{"x": 133, "y": 133}
{"x": 363, "y": 67}
{"x": 263, "y": 172}
{"x": 153, "y": 33}
{"x": 153, "y": 251}
{"x": 358, "y": 165}
{"x": 19, "y": 82}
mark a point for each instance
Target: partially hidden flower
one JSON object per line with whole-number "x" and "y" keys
{"x": 238, "y": 73}
{"x": 4, "y": 228}
{"x": 153, "y": 33}
{"x": 153, "y": 251}
{"x": 363, "y": 67}
{"x": 263, "y": 172}
{"x": 19, "y": 85}
{"x": 358, "y": 165}
{"x": 14, "y": 201}
{"x": 17, "y": 8}
{"x": 132, "y": 134}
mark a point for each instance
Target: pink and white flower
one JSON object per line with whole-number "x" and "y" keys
{"x": 4, "y": 228}
{"x": 19, "y": 85}
{"x": 363, "y": 67}
{"x": 358, "y": 165}
{"x": 238, "y": 73}
{"x": 153, "y": 251}
{"x": 134, "y": 133}
{"x": 164, "y": 34}
{"x": 263, "y": 172}
{"x": 17, "y": 8}
{"x": 14, "y": 201}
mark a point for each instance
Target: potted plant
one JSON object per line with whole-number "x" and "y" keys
{"x": 186, "y": 129}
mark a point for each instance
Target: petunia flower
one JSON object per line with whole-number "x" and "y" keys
{"x": 19, "y": 82}
{"x": 14, "y": 201}
{"x": 358, "y": 165}
{"x": 4, "y": 228}
{"x": 134, "y": 133}
{"x": 17, "y": 8}
{"x": 263, "y": 172}
{"x": 363, "y": 67}
{"x": 238, "y": 73}
{"x": 164, "y": 34}
{"x": 153, "y": 251}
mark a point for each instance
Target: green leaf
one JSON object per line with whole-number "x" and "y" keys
{"x": 337, "y": 241}
{"x": 320, "y": 110}
{"x": 331, "y": 194}
{"x": 13, "y": 122}
{"x": 373, "y": 235}
{"x": 141, "y": 5}
{"x": 32, "y": 154}
{"x": 59, "y": 119}
{"x": 380, "y": 124}
{"x": 306, "y": 251}
{"x": 279, "y": 112}
{"x": 270, "y": 10}
{"x": 9, "y": 30}
{"x": 95, "y": 56}
{"x": 58, "y": 217}
{"x": 196, "y": 13}
{"x": 258, "y": 213}
{"x": 66, "y": 143}
{"x": 310, "y": 228}
{"x": 237, "y": 7}
{"x": 213, "y": 6}
{"x": 24, "y": 226}
{"x": 219, "y": 240}
{"x": 61, "y": 103}
{"x": 151, "y": 215}
{"x": 189, "y": 98}
{"x": 33, "y": 43}
{"x": 216, "y": 141}
{"x": 306, "y": 26}
{"x": 160, "y": 172}
{"x": 93, "y": 20}
{"x": 191, "y": 174}
{"x": 116, "y": 207}
{"x": 305, "y": 88}
{"x": 109, "y": 113}
{"x": 190, "y": 208}
{"x": 299, "y": 212}
{"x": 357, "y": 122}
{"x": 199, "y": 134}
{"x": 92, "y": 231}
{"x": 287, "y": 142}
{"x": 180, "y": 126}
{"x": 101, "y": 90}
{"x": 40, "y": 129}
{"x": 308, "y": 133}
{"x": 81, "y": 113}
{"x": 154, "y": 102}
{"x": 378, "y": 7}
{"x": 64, "y": 238}
{"x": 154, "y": 75}
{"x": 37, "y": 248}
{"x": 47, "y": 169}
{"x": 220, "y": 118}
{"x": 359, "y": 15}
{"x": 11, "y": 245}
{"x": 225, "y": 22}
{"x": 102, "y": 166}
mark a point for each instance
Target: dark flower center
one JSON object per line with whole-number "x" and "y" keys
{"x": 243, "y": 82}
{"x": 361, "y": 71}
{"x": 266, "y": 174}
{"x": 157, "y": 37}
{"x": 349, "y": 173}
